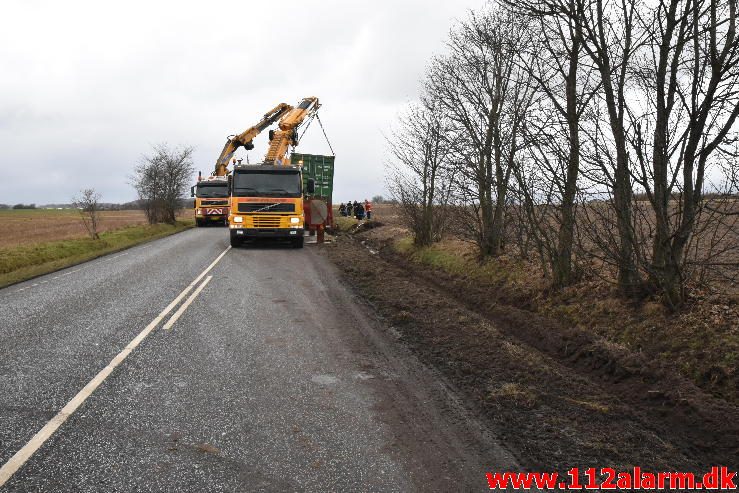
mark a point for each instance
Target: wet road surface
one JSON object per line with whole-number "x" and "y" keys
{"x": 265, "y": 374}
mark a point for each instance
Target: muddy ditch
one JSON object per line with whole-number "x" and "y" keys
{"x": 557, "y": 397}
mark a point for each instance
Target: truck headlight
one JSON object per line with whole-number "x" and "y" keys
{"x": 198, "y": 212}
{"x": 238, "y": 219}
{"x": 294, "y": 220}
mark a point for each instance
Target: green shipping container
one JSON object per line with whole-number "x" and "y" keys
{"x": 321, "y": 169}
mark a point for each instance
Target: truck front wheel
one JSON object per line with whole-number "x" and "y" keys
{"x": 298, "y": 242}
{"x": 235, "y": 242}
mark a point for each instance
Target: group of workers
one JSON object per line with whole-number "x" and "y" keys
{"x": 356, "y": 209}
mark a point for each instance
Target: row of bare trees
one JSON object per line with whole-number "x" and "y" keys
{"x": 585, "y": 132}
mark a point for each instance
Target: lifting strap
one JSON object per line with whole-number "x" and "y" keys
{"x": 326, "y": 136}
{"x": 307, "y": 124}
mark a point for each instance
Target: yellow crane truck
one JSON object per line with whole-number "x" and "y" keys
{"x": 211, "y": 193}
{"x": 211, "y": 200}
{"x": 267, "y": 200}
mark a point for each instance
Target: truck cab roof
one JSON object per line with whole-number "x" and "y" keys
{"x": 219, "y": 183}
{"x": 212, "y": 180}
{"x": 264, "y": 167}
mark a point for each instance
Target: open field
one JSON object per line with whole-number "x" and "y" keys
{"x": 30, "y": 226}
{"x": 36, "y": 242}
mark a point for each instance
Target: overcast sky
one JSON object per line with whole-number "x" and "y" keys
{"x": 87, "y": 87}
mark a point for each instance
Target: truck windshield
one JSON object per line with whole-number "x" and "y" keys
{"x": 266, "y": 184}
{"x": 212, "y": 191}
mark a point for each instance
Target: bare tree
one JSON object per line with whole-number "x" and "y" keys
{"x": 611, "y": 41}
{"x": 88, "y": 205}
{"x": 669, "y": 80}
{"x": 418, "y": 175}
{"x": 486, "y": 95}
{"x": 550, "y": 175}
{"x": 605, "y": 130}
{"x": 687, "y": 101}
{"x": 605, "y": 31}
{"x": 161, "y": 180}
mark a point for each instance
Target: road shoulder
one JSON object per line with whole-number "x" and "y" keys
{"x": 434, "y": 430}
{"x": 22, "y": 263}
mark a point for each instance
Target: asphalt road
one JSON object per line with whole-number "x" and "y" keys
{"x": 274, "y": 377}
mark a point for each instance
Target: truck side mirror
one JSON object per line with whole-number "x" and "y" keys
{"x": 311, "y": 186}
{"x": 230, "y": 180}
{"x": 192, "y": 191}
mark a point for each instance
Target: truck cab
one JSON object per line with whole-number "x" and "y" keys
{"x": 267, "y": 202}
{"x": 211, "y": 200}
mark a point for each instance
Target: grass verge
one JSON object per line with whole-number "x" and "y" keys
{"x": 450, "y": 258}
{"x": 344, "y": 224}
{"x": 25, "y": 262}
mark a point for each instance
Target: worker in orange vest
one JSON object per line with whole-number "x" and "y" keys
{"x": 368, "y": 209}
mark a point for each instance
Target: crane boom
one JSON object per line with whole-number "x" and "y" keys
{"x": 287, "y": 134}
{"x": 245, "y": 138}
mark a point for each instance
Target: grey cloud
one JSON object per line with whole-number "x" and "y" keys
{"x": 86, "y": 89}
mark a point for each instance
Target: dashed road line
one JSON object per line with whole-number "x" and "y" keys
{"x": 184, "y": 306}
{"x": 25, "y": 453}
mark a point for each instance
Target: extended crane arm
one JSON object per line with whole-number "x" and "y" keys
{"x": 245, "y": 138}
{"x": 287, "y": 134}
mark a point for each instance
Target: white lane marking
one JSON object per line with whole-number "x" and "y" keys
{"x": 25, "y": 453}
{"x": 184, "y": 306}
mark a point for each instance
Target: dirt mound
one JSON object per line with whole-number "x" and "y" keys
{"x": 363, "y": 226}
